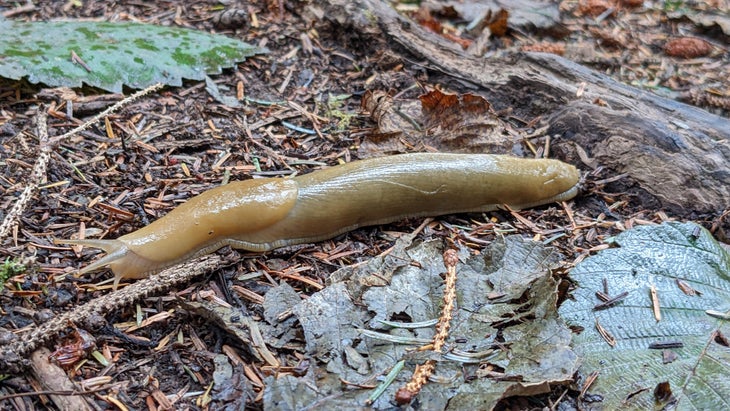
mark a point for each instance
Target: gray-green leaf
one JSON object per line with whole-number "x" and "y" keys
{"x": 349, "y": 328}
{"x": 671, "y": 257}
{"x": 113, "y": 54}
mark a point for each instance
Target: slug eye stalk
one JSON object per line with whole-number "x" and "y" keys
{"x": 115, "y": 251}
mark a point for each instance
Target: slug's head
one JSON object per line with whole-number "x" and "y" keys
{"x": 203, "y": 224}
{"x": 123, "y": 262}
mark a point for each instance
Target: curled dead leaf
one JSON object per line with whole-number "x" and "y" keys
{"x": 437, "y": 121}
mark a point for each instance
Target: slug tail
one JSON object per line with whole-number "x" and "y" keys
{"x": 115, "y": 251}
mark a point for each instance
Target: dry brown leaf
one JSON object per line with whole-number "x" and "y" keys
{"x": 438, "y": 122}
{"x": 463, "y": 122}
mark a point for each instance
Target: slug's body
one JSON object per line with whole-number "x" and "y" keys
{"x": 263, "y": 214}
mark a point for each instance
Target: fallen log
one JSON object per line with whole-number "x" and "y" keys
{"x": 675, "y": 157}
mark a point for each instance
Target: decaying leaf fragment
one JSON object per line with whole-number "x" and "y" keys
{"x": 405, "y": 286}
{"x": 438, "y": 121}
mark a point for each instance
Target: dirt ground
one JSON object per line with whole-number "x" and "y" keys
{"x": 192, "y": 142}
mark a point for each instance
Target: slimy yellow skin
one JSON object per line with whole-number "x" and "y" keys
{"x": 264, "y": 214}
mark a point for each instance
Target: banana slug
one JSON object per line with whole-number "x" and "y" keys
{"x": 263, "y": 214}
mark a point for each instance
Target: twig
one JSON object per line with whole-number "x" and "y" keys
{"x": 420, "y": 376}
{"x": 37, "y": 175}
{"x": 106, "y": 112}
{"x": 46, "y": 147}
{"x": 11, "y": 354}
{"x": 28, "y": 7}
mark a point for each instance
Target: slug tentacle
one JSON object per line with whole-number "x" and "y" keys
{"x": 115, "y": 251}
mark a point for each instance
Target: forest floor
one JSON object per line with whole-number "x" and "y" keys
{"x": 301, "y": 109}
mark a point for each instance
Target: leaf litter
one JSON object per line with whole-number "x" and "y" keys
{"x": 488, "y": 344}
{"x": 186, "y": 127}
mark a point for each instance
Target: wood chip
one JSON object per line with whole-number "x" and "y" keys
{"x": 605, "y": 334}
{"x": 655, "y": 303}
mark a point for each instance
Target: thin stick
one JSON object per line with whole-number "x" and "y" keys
{"x": 37, "y": 175}
{"x": 46, "y": 147}
{"x": 420, "y": 376}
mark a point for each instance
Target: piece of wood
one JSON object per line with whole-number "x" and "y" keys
{"x": 54, "y": 379}
{"x": 676, "y": 157}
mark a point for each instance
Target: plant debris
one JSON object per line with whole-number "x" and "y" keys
{"x": 243, "y": 330}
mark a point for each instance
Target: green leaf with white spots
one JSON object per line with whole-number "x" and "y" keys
{"x": 111, "y": 55}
